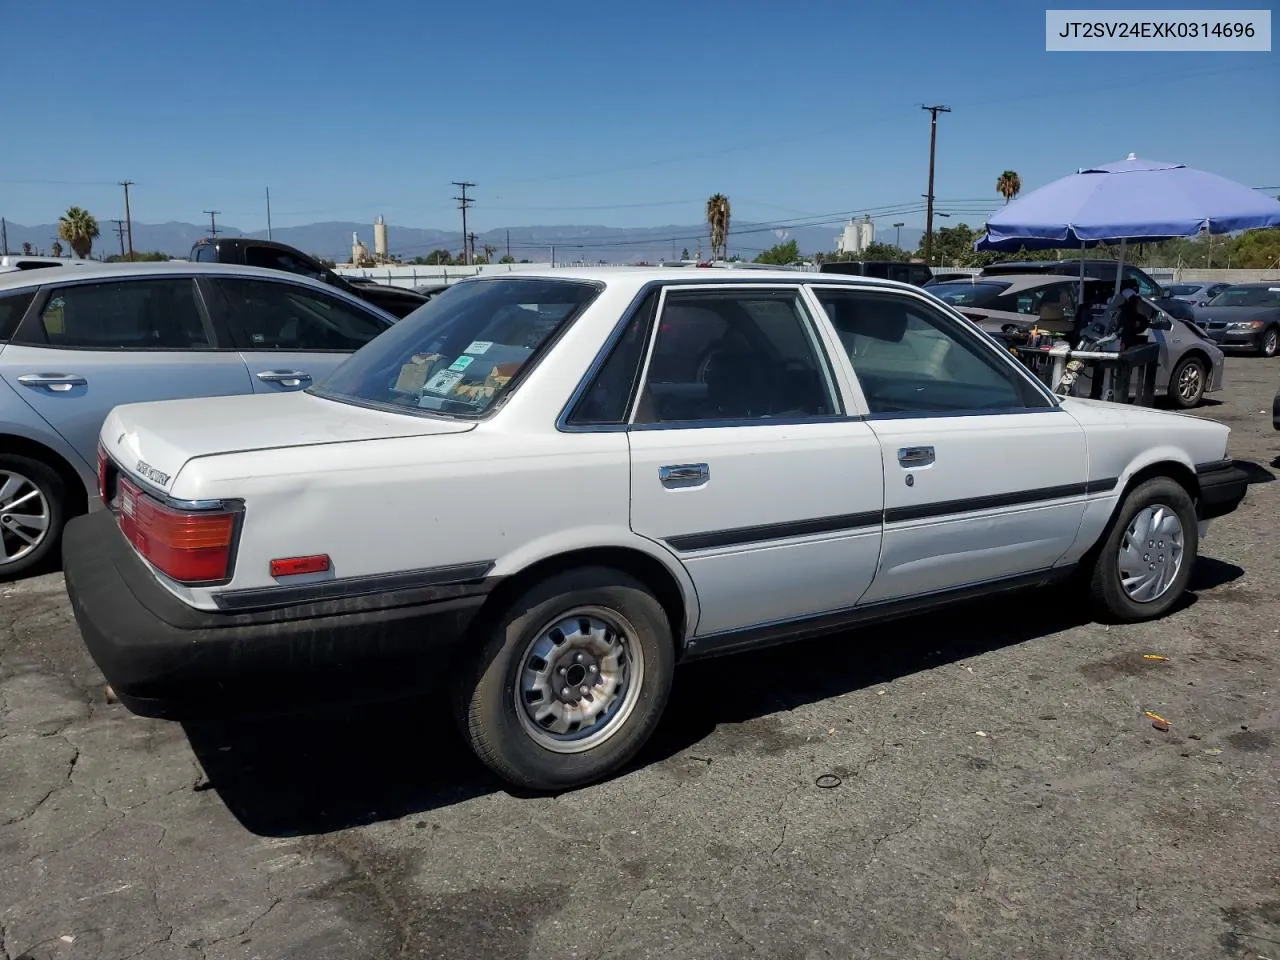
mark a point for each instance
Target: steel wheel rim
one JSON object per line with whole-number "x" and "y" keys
{"x": 594, "y": 647}
{"x": 1189, "y": 382}
{"x": 1151, "y": 553}
{"x": 24, "y": 516}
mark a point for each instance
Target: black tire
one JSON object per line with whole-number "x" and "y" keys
{"x": 1109, "y": 597}
{"x": 1194, "y": 392}
{"x": 485, "y": 698}
{"x": 50, "y": 486}
{"x": 1269, "y": 343}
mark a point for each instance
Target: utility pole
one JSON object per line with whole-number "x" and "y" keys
{"x": 213, "y": 222}
{"x": 268, "y": 213}
{"x": 897, "y": 237}
{"x": 128, "y": 218}
{"x": 508, "y": 243}
{"x": 120, "y": 234}
{"x": 463, "y": 203}
{"x": 4, "y": 237}
{"x": 470, "y": 247}
{"x": 933, "y": 144}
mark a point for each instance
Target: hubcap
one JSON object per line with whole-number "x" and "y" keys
{"x": 24, "y": 516}
{"x": 1151, "y": 553}
{"x": 579, "y": 680}
{"x": 1189, "y": 380}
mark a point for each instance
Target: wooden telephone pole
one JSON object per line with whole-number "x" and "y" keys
{"x": 933, "y": 144}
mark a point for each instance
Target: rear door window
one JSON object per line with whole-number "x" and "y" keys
{"x": 273, "y": 259}
{"x": 135, "y": 314}
{"x": 12, "y": 308}
{"x": 269, "y": 315}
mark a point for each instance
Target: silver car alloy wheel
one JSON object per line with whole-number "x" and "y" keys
{"x": 579, "y": 680}
{"x": 1151, "y": 553}
{"x": 1270, "y": 341}
{"x": 24, "y": 516}
{"x": 1190, "y": 382}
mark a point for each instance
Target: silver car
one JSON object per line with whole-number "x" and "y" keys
{"x": 1198, "y": 292}
{"x": 75, "y": 344}
{"x": 1190, "y": 366}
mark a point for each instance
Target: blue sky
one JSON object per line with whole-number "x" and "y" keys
{"x": 574, "y": 112}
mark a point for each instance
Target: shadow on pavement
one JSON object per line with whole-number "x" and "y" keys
{"x": 350, "y": 765}
{"x": 1256, "y": 472}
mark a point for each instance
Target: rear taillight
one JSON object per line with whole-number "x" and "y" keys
{"x": 190, "y": 546}
{"x": 103, "y": 493}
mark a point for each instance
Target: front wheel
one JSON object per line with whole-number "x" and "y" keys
{"x": 1145, "y": 563}
{"x": 572, "y": 679}
{"x": 1270, "y": 342}
{"x": 1187, "y": 385}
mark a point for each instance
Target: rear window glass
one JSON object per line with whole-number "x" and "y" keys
{"x": 963, "y": 294}
{"x": 1268, "y": 296}
{"x": 1182, "y": 289}
{"x": 459, "y": 353}
{"x": 12, "y": 308}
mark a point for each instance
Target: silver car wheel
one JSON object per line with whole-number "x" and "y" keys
{"x": 579, "y": 680}
{"x": 1270, "y": 342}
{"x": 1190, "y": 383}
{"x": 1151, "y": 553}
{"x": 24, "y": 516}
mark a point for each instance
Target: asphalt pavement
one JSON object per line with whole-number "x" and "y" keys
{"x": 971, "y": 784}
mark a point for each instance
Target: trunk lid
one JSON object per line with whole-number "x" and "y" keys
{"x": 154, "y": 440}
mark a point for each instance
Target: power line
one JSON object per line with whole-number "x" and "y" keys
{"x": 463, "y": 203}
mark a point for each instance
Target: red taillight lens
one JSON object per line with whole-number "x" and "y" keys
{"x": 102, "y": 476}
{"x": 189, "y": 546}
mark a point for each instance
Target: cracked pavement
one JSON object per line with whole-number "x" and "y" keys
{"x": 1000, "y": 794}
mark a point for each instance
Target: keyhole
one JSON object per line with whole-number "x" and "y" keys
{"x": 911, "y": 480}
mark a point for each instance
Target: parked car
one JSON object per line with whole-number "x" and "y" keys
{"x": 944, "y": 277}
{"x": 1190, "y": 364}
{"x": 566, "y": 484}
{"x": 21, "y": 261}
{"x": 74, "y": 344}
{"x": 1246, "y": 315}
{"x": 1093, "y": 270}
{"x": 397, "y": 301}
{"x": 903, "y": 271}
{"x": 1198, "y": 292}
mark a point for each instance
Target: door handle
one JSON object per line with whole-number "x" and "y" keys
{"x": 915, "y": 456}
{"x": 288, "y": 378}
{"x": 60, "y": 382}
{"x": 680, "y": 475}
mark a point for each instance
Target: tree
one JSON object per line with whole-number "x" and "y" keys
{"x": 80, "y": 229}
{"x": 780, "y": 254}
{"x": 718, "y": 211}
{"x": 153, "y": 256}
{"x": 489, "y": 250}
{"x": 436, "y": 258}
{"x": 684, "y": 253}
{"x": 1008, "y": 185}
{"x": 56, "y": 249}
{"x": 26, "y": 248}
{"x": 508, "y": 259}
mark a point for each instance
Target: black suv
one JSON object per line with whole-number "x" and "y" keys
{"x": 396, "y": 301}
{"x": 915, "y": 273}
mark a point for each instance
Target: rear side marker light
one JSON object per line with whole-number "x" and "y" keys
{"x": 189, "y": 546}
{"x": 292, "y": 566}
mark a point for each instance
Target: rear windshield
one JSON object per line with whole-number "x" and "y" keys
{"x": 459, "y": 353}
{"x": 1268, "y": 296}
{"x": 1182, "y": 289}
{"x": 961, "y": 294}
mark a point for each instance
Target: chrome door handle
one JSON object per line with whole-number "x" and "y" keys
{"x": 915, "y": 456}
{"x": 289, "y": 378}
{"x": 60, "y": 382}
{"x": 679, "y": 475}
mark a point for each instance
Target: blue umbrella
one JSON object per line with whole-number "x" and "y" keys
{"x": 1132, "y": 199}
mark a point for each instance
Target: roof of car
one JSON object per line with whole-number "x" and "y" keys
{"x": 110, "y": 271}
{"x": 639, "y": 276}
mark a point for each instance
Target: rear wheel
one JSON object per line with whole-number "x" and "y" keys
{"x": 1270, "y": 342}
{"x": 32, "y": 512}
{"x": 1145, "y": 563}
{"x": 571, "y": 681}
{"x": 1187, "y": 385}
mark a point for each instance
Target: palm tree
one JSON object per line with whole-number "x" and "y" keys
{"x": 718, "y": 221}
{"x": 26, "y": 248}
{"x": 80, "y": 229}
{"x": 1008, "y": 185}
{"x": 56, "y": 249}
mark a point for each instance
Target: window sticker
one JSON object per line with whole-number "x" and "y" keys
{"x": 479, "y": 347}
{"x": 461, "y": 363}
{"x": 443, "y": 382}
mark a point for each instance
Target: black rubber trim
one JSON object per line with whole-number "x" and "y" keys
{"x": 285, "y": 595}
{"x": 1213, "y": 466}
{"x": 739, "y": 536}
{"x": 945, "y": 508}
{"x": 733, "y": 641}
{"x": 1222, "y": 488}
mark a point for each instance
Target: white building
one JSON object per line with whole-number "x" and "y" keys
{"x": 857, "y": 236}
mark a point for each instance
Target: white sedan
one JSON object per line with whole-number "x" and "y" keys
{"x": 570, "y": 481}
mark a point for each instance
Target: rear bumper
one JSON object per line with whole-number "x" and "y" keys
{"x": 1222, "y": 488}
{"x": 164, "y": 658}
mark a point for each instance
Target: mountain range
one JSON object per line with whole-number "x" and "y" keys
{"x": 569, "y": 242}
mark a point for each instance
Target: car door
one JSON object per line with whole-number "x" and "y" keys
{"x": 984, "y": 474}
{"x": 290, "y": 334}
{"x": 744, "y": 463}
{"x": 87, "y": 346}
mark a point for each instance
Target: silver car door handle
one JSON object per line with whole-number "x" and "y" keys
{"x": 684, "y": 475}
{"x": 61, "y": 382}
{"x": 290, "y": 378}
{"x": 915, "y": 456}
